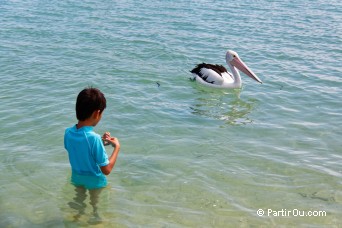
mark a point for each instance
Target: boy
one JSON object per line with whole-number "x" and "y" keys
{"x": 87, "y": 155}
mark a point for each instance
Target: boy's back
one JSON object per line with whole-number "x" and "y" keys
{"x": 86, "y": 150}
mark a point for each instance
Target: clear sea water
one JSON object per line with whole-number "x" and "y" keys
{"x": 190, "y": 156}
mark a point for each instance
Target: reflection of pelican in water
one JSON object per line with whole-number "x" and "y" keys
{"x": 230, "y": 109}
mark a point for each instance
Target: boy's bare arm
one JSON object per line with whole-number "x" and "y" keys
{"x": 112, "y": 159}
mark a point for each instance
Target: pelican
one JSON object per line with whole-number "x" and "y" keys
{"x": 217, "y": 76}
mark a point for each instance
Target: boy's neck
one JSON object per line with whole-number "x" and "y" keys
{"x": 84, "y": 123}
{"x": 91, "y": 121}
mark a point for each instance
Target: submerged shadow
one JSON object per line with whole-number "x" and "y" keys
{"x": 80, "y": 205}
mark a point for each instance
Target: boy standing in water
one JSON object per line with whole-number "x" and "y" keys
{"x": 87, "y": 155}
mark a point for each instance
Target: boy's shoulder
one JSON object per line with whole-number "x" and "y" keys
{"x": 87, "y": 131}
{"x": 69, "y": 129}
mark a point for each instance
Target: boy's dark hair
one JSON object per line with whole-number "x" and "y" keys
{"x": 88, "y": 101}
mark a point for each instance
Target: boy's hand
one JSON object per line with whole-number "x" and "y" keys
{"x": 105, "y": 137}
{"x": 110, "y": 140}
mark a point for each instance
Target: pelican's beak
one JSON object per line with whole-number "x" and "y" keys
{"x": 237, "y": 62}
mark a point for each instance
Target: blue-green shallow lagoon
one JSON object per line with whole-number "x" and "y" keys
{"x": 191, "y": 156}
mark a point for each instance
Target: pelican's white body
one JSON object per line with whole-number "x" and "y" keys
{"x": 224, "y": 79}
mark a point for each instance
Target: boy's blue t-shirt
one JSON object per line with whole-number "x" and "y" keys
{"x": 86, "y": 155}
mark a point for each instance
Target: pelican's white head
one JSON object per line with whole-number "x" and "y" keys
{"x": 230, "y": 55}
{"x": 233, "y": 59}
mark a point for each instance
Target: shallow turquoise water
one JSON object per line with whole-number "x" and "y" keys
{"x": 191, "y": 156}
